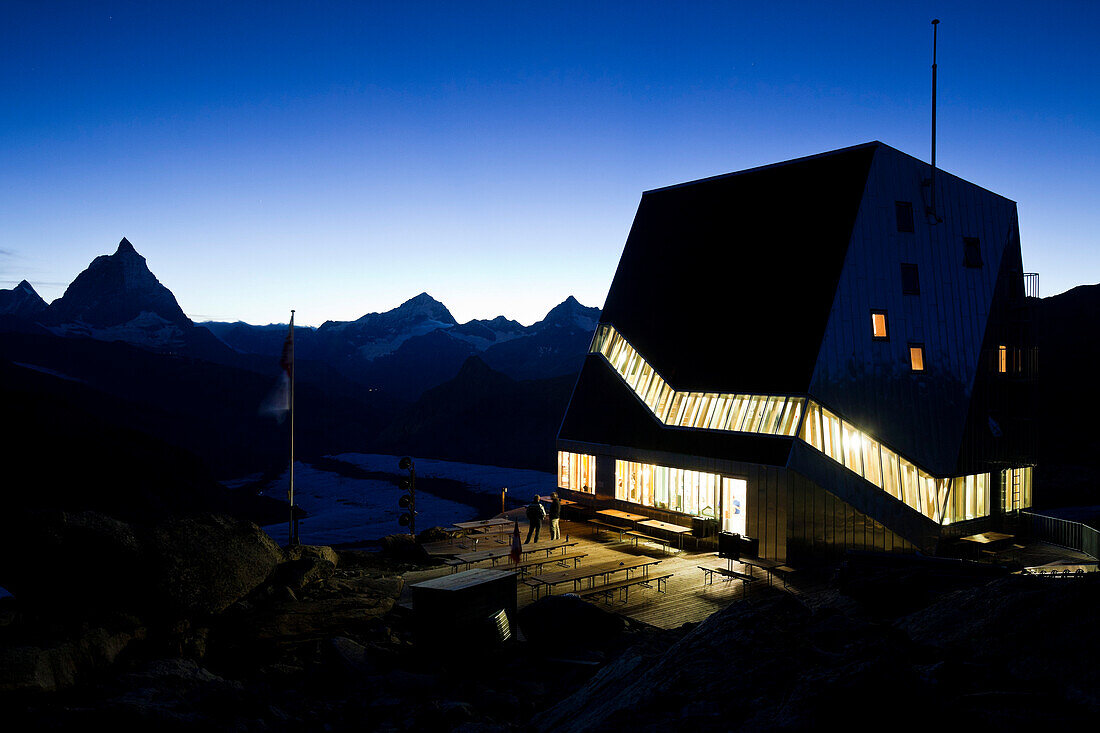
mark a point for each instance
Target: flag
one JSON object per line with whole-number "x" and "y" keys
{"x": 277, "y": 402}
{"x": 517, "y": 546}
{"x": 286, "y": 361}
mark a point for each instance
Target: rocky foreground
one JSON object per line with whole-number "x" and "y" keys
{"x": 203, "y": 623}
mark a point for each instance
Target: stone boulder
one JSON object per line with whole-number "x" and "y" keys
{"x": 297, "y": 574}
{"x": 50, "y": 665}
{"x": 73, "y": 560}
{"x": 403, "y": 548}
{"x": 315, "y": 552}
{"x": 202, "y": 564}
{"x": 433, "y": 534}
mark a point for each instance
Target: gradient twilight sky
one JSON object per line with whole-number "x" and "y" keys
{"x": 341, "y": 157}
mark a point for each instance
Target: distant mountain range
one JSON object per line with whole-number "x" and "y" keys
{"x": 402, "y": 352}
{"x": 419, "y": 344}
{"x": 117, "y": 344}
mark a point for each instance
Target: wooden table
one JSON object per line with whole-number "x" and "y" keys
{"x": 677, "y": 529}
{"x": 618, "y": 514}
{"x": 986, "y": 538}
{"x": 988, "y": 542}
{"x": 451, "y": 547}
{"x": 485, "y": 523}
{"x": 768, "y": 566}
{"x": 589, "y": 573}
{"x": 496, "y": 553}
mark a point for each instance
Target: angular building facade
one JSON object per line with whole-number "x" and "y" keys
{"x": 829, "y": 353}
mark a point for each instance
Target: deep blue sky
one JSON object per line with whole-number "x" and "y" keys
{"x": 339, "y": 158}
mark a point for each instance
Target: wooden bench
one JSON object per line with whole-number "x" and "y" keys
{"x": 598, "y": 525}
{"x": 708, "y": 577}
{"x": 623, "y": 586}
{"x": 538, "y": 562}
{"x": 637, "y": 536}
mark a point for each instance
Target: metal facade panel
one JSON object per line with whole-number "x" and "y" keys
{"x": 869, "y": 382}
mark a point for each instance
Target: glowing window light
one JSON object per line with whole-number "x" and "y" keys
{"x": 1002, "y": 359}
{"x": 791, "y": 414}
{"x": 942, "y": 500}
{"x": 772, "y": 414}
{"x": 916, "y": 357}
{"x": 878, "y": 325}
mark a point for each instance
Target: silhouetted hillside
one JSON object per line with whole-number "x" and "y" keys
{"x": 1069, "y": 351}
{"x": 483, "y": 416}
{"x": 211, "y": 410}
{"x": 67, "y": 448}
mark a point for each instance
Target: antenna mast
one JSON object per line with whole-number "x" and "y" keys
{"x": 932, "y": 202}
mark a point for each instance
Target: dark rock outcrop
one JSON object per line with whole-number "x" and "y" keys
{"x": 1015, "y": 652}
{"x": 566, "y": 623}
{"x": 206, "y": 563}
{"x": 183, "y": 566}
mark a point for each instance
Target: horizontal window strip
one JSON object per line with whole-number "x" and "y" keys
{"x": 943, "y": 500}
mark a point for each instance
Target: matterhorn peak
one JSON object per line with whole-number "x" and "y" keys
{"x": 115, "y": 290}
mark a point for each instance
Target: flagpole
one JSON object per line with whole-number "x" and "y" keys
{"x": 293, "y": 532}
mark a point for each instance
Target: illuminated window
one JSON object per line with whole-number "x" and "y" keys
{"x": 1002, "y": 359}
{"x": 577, "y": 471}
{"x": 903, "y": 212}
{"x": 878, "y": 326}
{"x": 972, "y": 252}
{"x": 910, "y": 280}
{"x": 916, "y": 357}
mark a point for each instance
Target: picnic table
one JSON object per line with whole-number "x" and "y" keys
{"x": 619, "y": 514}
{"x": 768, "y": 566}
{"x": 590, "y": 572}
{"x": 988, "y": 542}
{"x": 496, "y": 553}
{"x": 498, "y": 525}
{"x": 482, "y": 523}
{"x": 447, "y": 548}
{"x": 676, "y": 529}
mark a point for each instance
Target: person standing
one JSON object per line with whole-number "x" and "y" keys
{"x": 554, "y": 514}
{"x": 535, "y": 513}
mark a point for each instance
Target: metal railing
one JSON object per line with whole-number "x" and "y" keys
{"x": 1062, "y": 532}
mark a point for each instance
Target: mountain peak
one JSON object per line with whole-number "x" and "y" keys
{"x": 21, "y": 301}
{"x": 570, "y": 312}
{"x": 116, "y": 289}
{"x": 425, "y": 306}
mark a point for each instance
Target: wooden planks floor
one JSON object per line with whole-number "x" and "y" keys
{"x": 686, "y": 599}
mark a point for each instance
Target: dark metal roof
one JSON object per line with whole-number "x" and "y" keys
{"x": 604, "y": 411}
{"x": 743, "y": 266}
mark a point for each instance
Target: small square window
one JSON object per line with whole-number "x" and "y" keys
{"x": 878, "y": 326}
{"x": 916, "y": 357}
{"x": 910, "y": 280}
{"x": 972, "y": 252}
{"x": 903, "y": 211}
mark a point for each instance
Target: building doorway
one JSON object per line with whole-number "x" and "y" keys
{"x": 734, "y": 495}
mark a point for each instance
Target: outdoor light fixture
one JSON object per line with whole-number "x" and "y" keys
{"x": 407, "y": 501}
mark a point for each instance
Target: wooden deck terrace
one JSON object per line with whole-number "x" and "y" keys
{"x": 685, "y": 598}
